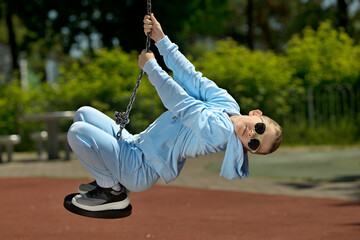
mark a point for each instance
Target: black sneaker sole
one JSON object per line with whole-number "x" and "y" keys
{"x": 108, "y": 214}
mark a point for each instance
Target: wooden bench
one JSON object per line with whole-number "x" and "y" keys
{"x": 41, "y": 137}
{"x": 9, "y": 141}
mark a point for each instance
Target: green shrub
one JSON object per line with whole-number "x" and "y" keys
{"x": 324, "y": 56}
{"x": 105, "y": 82}
{"x": 11, "y": 101}
{"x": 256, "y": 79}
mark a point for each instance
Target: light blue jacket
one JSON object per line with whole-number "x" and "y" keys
{"x": 197, "y": 121}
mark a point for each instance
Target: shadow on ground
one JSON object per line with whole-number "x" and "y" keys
{"x": 351, "y": 178}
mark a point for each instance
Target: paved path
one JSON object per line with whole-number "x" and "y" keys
{"x": 193, "y": 175}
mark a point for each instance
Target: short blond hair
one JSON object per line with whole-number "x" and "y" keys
{"x": 278, "y": 135}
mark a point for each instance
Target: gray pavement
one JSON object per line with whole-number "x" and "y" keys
{"x": 196, "y": 174}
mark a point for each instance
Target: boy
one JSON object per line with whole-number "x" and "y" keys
{"x": 201, "y": 119}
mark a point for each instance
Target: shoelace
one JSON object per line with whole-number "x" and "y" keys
{"x": 100, "y": 190}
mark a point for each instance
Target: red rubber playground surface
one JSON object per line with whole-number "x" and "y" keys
{"x": 32, "y": 208}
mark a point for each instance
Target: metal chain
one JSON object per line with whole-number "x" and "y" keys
{"x": 123, "y": 119}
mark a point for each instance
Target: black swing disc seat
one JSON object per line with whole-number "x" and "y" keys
{"x": 108, "y": 214}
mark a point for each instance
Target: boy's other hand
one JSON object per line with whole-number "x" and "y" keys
{"x": 144, "y": 57}
{"x": 153, "y": 26}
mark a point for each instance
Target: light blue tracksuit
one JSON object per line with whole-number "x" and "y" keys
{"x": 197, "y": 122}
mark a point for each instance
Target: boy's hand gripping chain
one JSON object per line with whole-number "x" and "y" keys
{"x": 123, "y": 119}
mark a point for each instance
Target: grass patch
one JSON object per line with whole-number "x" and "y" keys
{"x": 326, "y": 164}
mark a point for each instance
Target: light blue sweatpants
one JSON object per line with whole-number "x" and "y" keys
{"x": 92, "y": 138}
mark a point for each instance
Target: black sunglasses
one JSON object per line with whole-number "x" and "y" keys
{"x": 259, "y": 128}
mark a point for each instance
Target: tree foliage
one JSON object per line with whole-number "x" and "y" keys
{"x": 324, "y": 56}
{"x": 110, "y": 23}
{"x": 90, "y": 24}
{"x": 257, "y": 79}
{"x": 262, "y": 79}
{"x": 105, "y": 82}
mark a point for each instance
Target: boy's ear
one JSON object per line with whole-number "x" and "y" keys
{"x": 255, "y": 112}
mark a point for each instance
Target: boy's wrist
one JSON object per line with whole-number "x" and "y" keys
{"x": 161, "y": 37}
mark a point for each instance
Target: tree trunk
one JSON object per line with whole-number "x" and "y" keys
{"x": 12, "y": 42}
{"x": 343, "y": 14}
{"x": 250, "y": 20}
{"x": 263, "y": 23}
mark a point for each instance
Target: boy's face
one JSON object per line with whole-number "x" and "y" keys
{"x": 247, "y": 132}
